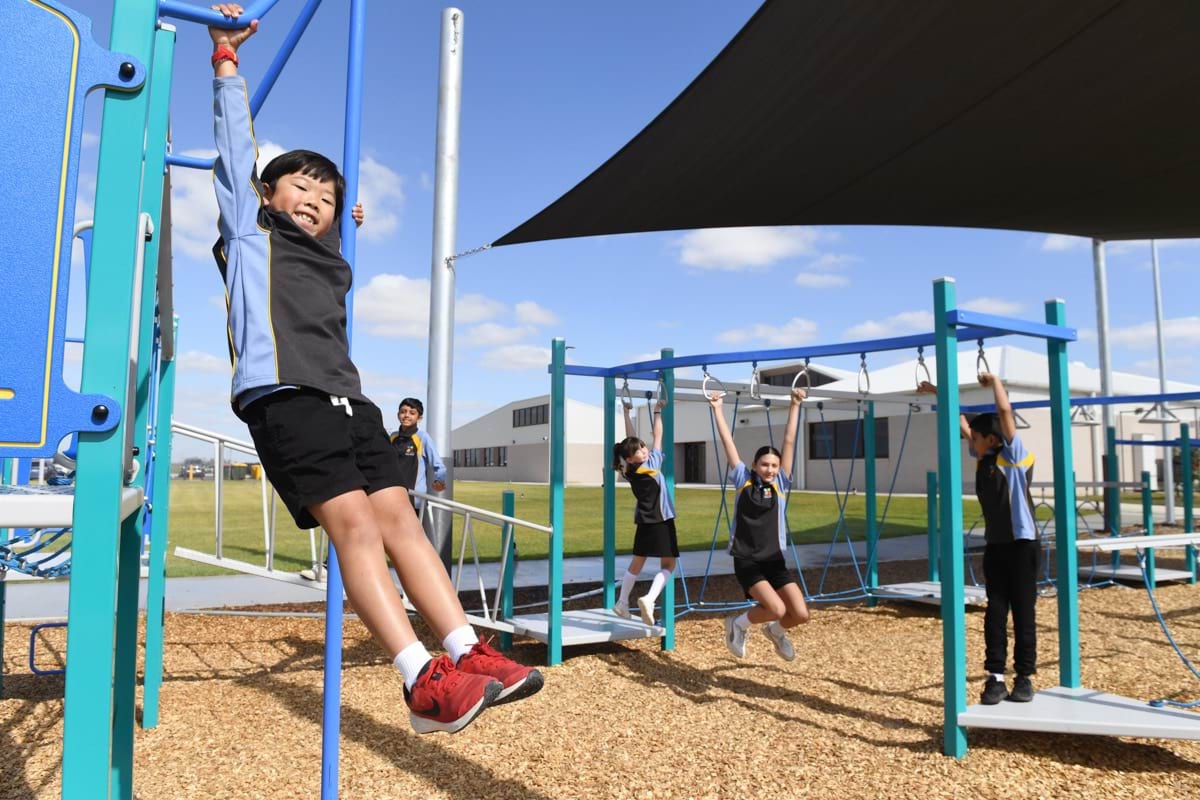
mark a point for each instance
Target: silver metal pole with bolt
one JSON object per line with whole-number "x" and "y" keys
{"x": 1112, "y": 496}
{"x": 441, "y": 288}
{"x": 1168, "y": 452}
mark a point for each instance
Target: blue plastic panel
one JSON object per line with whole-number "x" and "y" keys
{"x": 52, "y": 63}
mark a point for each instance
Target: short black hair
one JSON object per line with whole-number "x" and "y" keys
{"x": 414, "y": 404}
{"x": 987, "y": 424}
{"x": 314, "y": 165}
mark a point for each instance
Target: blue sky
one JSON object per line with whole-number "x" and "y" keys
{"x": 552, "y": 89}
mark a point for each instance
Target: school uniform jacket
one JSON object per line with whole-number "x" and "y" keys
{"x": 285, "y": 290}
{"x": 759, "y": 531}
{"x": 653, "y": 501}
{"x": 418, "y": 457}
{"x": 1002, "y": 479}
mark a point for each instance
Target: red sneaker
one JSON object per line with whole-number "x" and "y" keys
{"x": 447, "y": 699}
{"x": 519, "y": 680}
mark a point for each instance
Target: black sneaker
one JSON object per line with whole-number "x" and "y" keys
{"x": 1022, "y": 690}
{"x": 993, "y": 692}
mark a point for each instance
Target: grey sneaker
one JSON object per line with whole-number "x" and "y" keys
{"x": 778, "y": 636}
{"x": 646, "y": 606}
{"x": 735, "y": 638}
{"x": 993, "y": 692}
{"x": 1022, "y": 690}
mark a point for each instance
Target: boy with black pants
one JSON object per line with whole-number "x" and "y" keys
{"x": 1003, "y": 471}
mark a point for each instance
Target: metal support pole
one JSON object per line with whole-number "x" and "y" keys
{"x": 610, "y": 491}
{"x": 1112, "y": 474}
{"x": 1148, "y": 526}
{"x": 1100, "y": 277}
{"x": 441, "y": 276}
{"x": 668, "y": 419}
{"x": 931, "y": 523}
{"x": 872, "y": 520}
{"x": 508, "y": 507}
{"x": 1185, "y": 475}
{"x": 1168, "y": 452}
{"x": 1066, "y": 556}
{"x": 558, "y": 463}
{"x": 954, "y": 624}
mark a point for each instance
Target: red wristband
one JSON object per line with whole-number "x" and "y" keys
{"x": 223, "y": 53}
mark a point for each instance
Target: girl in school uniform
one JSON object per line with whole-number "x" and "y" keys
{"x": 758, "y": 538}
{"x": 654, "y": 514}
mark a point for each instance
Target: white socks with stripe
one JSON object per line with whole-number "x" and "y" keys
{"x": 656, "y": 586}
{"x": 627, "y": 583}
{"x": 410, "y": 661}
{"x": 459, "y": 642}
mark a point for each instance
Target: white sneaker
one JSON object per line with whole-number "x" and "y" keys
{"x": 735, "y": 638}
{"x": 622, "y": 610}
{"x": 646, "y": 605}
{"x": 310, "y": 574}
{"x": 779, "y": 638}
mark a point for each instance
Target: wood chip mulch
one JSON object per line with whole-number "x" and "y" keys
{"x": 857, "y": 714}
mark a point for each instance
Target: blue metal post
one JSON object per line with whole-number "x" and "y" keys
{"x": 954, "y": 638}
{"x": 558, "y": 453}
{"x": 1185, "y": 475}
{"x": 97, "y": 762}
{"x": 508, "y": 507}
{"x": 610, "y": 491}
{"x": 331, "y": 722}
{"x": 872, "y": 519}
{"x": 1066, "y": 556}
{"x": 668, "y": 419}
{"x": 931, "y": 523}
{"x": 1148, "y": 526}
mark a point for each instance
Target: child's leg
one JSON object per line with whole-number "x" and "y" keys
{"x": 995, "y": 617}
{"x": 770, "y": 605}
{"x": 666, "y": 569}
{"x": 1024, "y": 602}
{"x": 796, "y": 609}
{"x": 629, "y": 579}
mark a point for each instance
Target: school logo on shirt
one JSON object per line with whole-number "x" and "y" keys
{"x": 409, "y": 450}
{"x": 766, "y": 493}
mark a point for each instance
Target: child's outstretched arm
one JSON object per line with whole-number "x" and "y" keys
{"x": 731, "y": 453}
{"x": 1004, "y": 409}
{"x": 238, "y": 195}
{"x": 964, "y": 428}
{"x": 630, "y": 430}
{"x": 789, "y": 433}
{"x": 658, "y": 423}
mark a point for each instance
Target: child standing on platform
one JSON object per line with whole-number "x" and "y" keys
{"x": 654, "y": 513}
{"x": 759, "y": 536}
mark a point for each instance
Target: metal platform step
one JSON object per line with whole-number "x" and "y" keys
{"x": 588, "y": 626}
{"x": 1132, "y": 573}
{"x": 927, "y": 592}
{"x": 1086, "y": 711}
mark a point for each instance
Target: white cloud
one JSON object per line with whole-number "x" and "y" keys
{"x": 490, "y": 334}
{"x": 821, "y": 280}
{"x": 795, "y": 331}
{"x": 199, "y": 361}
{"x": 426, "y": 181}
{"x": 1176, "y": 364}
{"x": 531, "y": 313}
{"x": 745, "y": 248}
{"x": 516, "y": 357}
{"x": 904, "y": 322}
{"x": 831, "y": 261}
{"x": 476, "y": 308}
{"x": 1058, "y": 243}
{"x": 381, "y": 191}
{"x": 397, "y": 306}
{"x": 993, "y": 305}
{"x": 1182, "y": 330}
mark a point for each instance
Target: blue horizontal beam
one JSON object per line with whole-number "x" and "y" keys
{"x": 193, "y": 162}
{"x": 1003, "y": 325}
{"x": 1116, "y": 400}
{"x": 202, "y": 14}
{"x": 1157, "y": 442}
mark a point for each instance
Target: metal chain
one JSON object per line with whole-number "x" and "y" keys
{"x": 451, "y": 259}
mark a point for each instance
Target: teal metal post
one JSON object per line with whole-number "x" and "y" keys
{"x": 610, "y": 491}
{"x": 508, "y": 507}
{"x": 558, "y": 437}
{"x": 954, "y": 636}
{"x": 1185, "y": 475}
{"x": 6, "y": 467}
{"x": 1148, "y": 526}
{"x": 160, "y": 517}
{"x": 1066, "y": 556}
{"x": 668, "y": 418}
{"x": 872, "y": 519}
{"x": 1112, "y": 474}
{"x": 931, "y": 523}
{"x": 97, "y": 763}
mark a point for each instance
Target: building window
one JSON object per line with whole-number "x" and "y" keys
{"x": 531, "y": 415}
{"x": 844, "y": 439}
{"x": 481, "y": 457}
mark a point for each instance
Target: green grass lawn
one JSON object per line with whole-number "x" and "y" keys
{"x": 812, "y": 517}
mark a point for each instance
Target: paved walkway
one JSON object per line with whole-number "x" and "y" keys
{"x": 46, "y": 600}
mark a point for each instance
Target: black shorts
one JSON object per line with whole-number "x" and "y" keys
{"x": 313, "y": 451}
{"x": 774, "y": 572}
{"x": 656, "y": 539}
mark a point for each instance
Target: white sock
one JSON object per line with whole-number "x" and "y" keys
{"x": 998, "y": 676}
{"x": 410, "y": 661}
{"x": 656, "y": 586}
{"x": 775, "y": 629}
{"x": 627, "y": 583}
{"x": 742, "y": 620}
{"x": 459, "y": 642}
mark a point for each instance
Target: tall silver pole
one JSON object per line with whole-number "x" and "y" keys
{"x": 441, "y": 289}
{"x": 1168, "y": 452}
{"x": 1112, "y": 496}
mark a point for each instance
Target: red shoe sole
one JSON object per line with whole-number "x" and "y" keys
{"x": 424, "y": 725}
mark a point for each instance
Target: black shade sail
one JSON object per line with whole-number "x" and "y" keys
{"x": 1062, "y": 116}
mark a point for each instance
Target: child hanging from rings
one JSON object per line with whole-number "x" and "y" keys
{"x": 758, "y": 537}
{"x": 653, "y": 513}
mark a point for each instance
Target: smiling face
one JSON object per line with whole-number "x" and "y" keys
{"x": 408, "y": 416}
{"x": 767, "y": 467}
{"x": 309, "y": 201}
